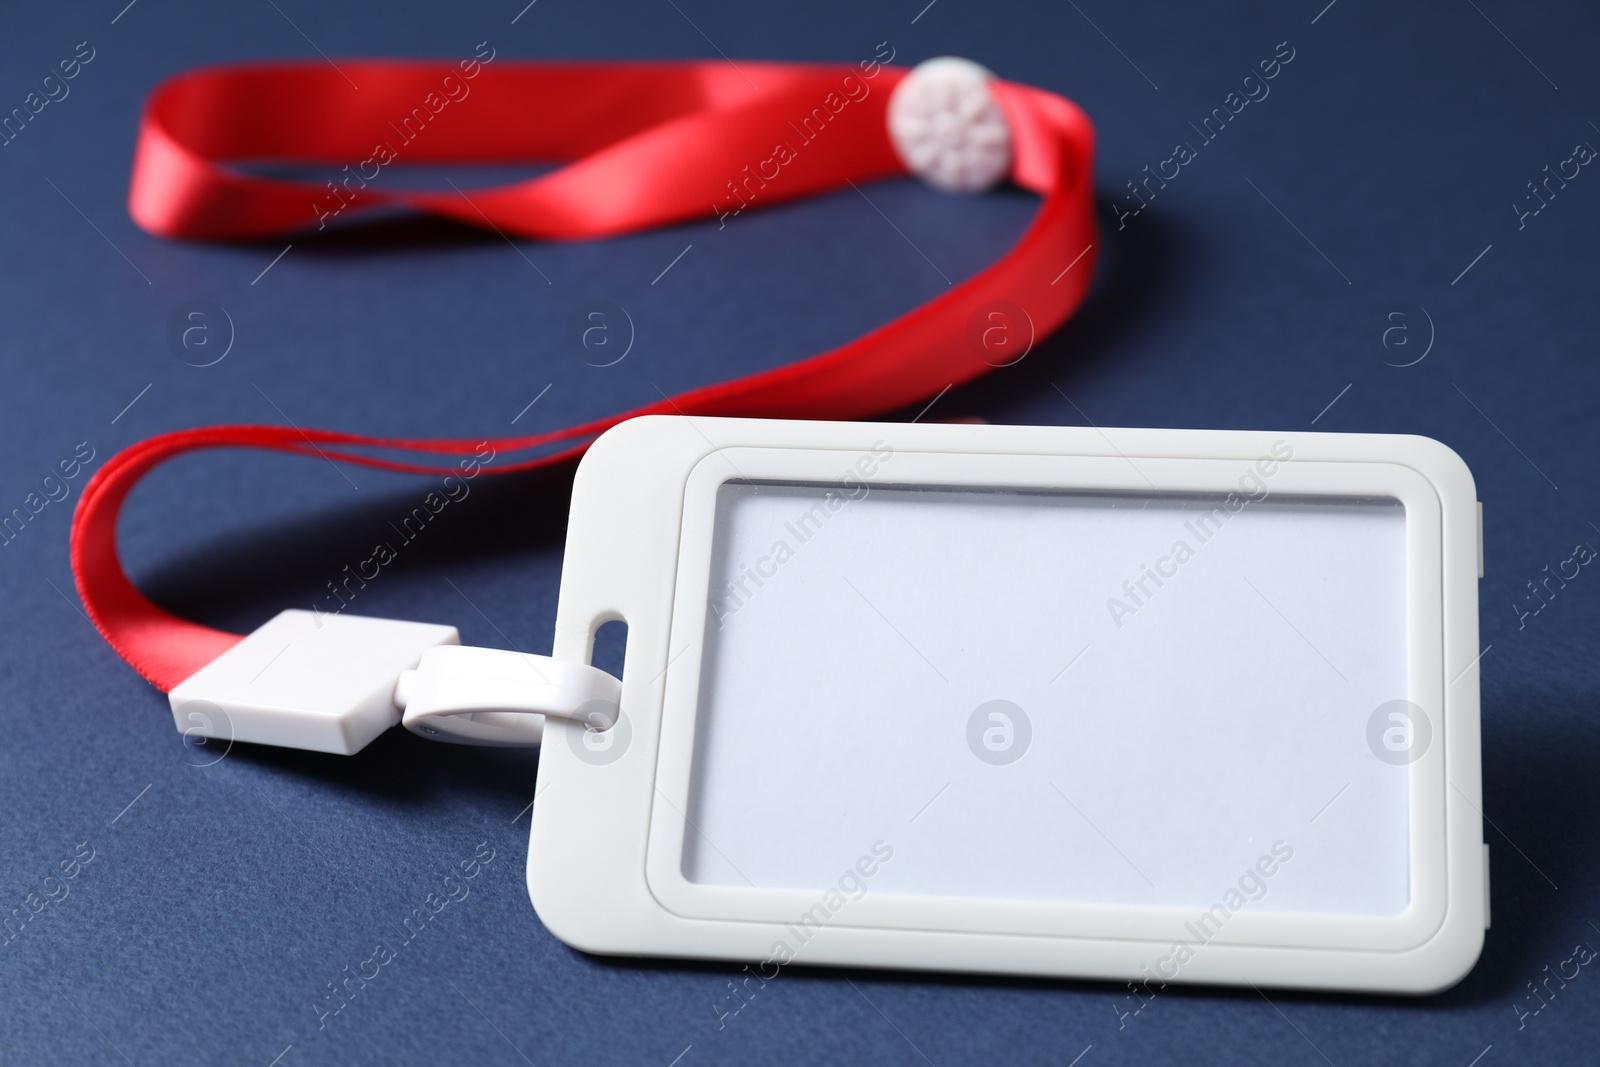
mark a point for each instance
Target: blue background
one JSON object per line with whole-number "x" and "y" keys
{"x": 221, "y": 899}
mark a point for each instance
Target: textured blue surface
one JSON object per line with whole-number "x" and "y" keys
{"x": 1252, "y": 292}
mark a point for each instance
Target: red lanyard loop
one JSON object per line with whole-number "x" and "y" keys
{"x": 651, "y": 144}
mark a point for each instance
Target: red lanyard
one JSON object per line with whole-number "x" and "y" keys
{"x": 651, "y": 144}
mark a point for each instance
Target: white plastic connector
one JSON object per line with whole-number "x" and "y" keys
{"x": 489, "y": 696}
{"x": 948, "y": 128}
{"x": 306, "y": 680}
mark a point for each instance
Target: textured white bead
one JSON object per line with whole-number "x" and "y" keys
{"x": 948, "y": 128}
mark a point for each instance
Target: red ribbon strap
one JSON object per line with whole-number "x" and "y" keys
{"x": 650, "y": 144}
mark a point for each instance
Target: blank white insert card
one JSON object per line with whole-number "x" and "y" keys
{"x": 1054, "y": 696}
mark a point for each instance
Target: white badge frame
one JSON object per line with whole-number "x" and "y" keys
{"x": 605, "y": 859}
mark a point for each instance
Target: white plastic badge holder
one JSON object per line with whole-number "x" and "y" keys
{"x": 1150, "y": 705}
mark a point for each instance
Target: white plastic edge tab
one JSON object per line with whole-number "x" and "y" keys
{"x": 489, "y": 696}
{"x": 306, "y": 680}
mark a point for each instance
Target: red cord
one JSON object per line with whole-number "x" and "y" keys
{"x": 652, "y": 144}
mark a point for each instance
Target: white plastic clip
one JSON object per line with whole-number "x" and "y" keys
{"x": 305, "y": 680}
{"x": 488, "y": 696}
{"x": 948, "y": 128}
